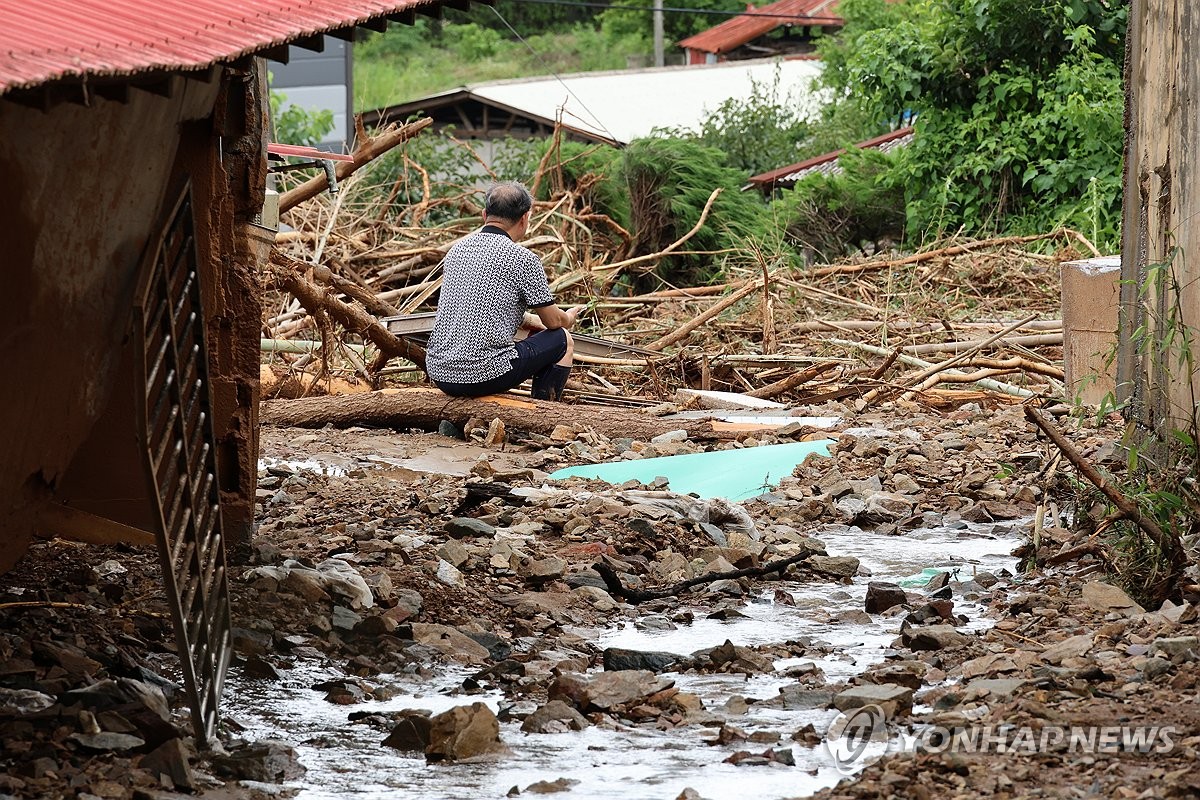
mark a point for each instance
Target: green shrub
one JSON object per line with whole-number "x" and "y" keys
{"x": 668, "y": 182}
{"x": 824, "y": 214}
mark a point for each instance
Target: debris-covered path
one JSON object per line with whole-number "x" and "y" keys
{"x": 421, "y": 616}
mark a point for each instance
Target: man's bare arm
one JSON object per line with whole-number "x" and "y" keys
{"x": 554, "y": 317}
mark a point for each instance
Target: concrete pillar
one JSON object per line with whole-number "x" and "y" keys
{"x": 1090, "y": 299}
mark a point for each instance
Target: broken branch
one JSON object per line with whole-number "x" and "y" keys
{"x": 1168, "y": 543}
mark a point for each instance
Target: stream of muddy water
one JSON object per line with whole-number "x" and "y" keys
{"x": 346, "y": 760}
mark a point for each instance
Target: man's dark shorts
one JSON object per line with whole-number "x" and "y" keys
{"x": 535, "y": 354}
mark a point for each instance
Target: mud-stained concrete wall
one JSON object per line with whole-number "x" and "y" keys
{"x": 235, "y": 321}
{"x": 84, "y": 186}
{"x": 1161, "y": 237}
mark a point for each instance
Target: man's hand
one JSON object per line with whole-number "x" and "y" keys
{"x": 573, "y": 314}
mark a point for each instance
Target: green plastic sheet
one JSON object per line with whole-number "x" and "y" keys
{"x": 731, "y": 474}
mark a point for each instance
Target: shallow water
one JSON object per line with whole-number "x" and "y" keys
{"x": 345, "y": 760}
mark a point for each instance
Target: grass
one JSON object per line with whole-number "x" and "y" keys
{"x": 408, "y": 63}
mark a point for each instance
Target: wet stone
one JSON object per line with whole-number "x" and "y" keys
{"x": 498, "y": 648}
{"x": 934, "y": 637}
{"x": 882, "y": 596}
{"x": 255, "y": 667}
{"x": 554, "y": 717}
{"x": 892, "y": 698}
{"x": 841, "y": 566}
{"x": 654, "y": 622}
{"x": 467, "y": 527}
{"x": 411, "y": 733}
{"x": 551, "y": 787}
{"x": 463, "y": 732}
{"x": 938, "y": 581}
{"x": 266, "y": 761}
{"x": 618, "y": 658}
{"x": 169, "y": 761}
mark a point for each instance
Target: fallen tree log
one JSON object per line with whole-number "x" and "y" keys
{"x": 289, "y": 273}
{"x": 371, "y": 147}
{"x": 1167, "y": 541}
{"x": 425, "y": 408}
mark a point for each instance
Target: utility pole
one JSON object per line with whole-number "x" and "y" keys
{"x": 658, "y": 34}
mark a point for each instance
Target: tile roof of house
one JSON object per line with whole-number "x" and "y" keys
{"x": 739, "y": 30}
{"x": 42, "y": 41}
{"x": 828, "y": 163}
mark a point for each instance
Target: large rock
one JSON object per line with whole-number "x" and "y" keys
{"x": 168, "y": 763}
{"x": 1177, "y": 649}
{"x": 841, "y": 566}
{"x": 544, "y": 570}
{"x": 728, "y": 657}
{"x": 266, "y": 761}
{"x": 882, "y": 596}
{"x": 570, "y": 687}
{"x": 450, "y": 642}
{"x": 466, "y": 527}
{"x": 1072, "y": 647}
{"x": 611, "y": 689}
{"x": 411, "y": 732}
{"x": 1108, "y": 598}
{"x": 464, "y": 732}
{"x": 893, "y": 699}
{"x": 554, "y": 717}
{"x": 934, "y": 637}
{"x": 618, "y": 658}
{"x": 887, "y": 507}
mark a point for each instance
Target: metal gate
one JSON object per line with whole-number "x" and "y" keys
{"x": 175, "y": 428}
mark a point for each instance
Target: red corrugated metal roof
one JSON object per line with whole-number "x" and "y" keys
{"x": 46, "y": 40}
{"x": 828, "y": 163}
{"x": 747, "y": 27}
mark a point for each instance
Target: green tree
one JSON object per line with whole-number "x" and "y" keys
{"x": 1018, "y": 107}
{"x": 622, "y": 19}
{"x": 758, "y": 132}
{"x": 294, "y": 125}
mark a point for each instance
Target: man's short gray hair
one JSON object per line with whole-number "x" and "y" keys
{"x": 508, "y": 201}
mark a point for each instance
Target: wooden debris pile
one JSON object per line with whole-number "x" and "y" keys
{"x": 968, "y": 321}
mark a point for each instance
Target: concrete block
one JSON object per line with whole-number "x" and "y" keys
{"x": 1090, "y": 297}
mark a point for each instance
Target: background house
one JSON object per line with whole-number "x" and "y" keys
{"x": 785, "y": 28}
{"x": 613, "y": 107}
{"x": 321, "y": 79}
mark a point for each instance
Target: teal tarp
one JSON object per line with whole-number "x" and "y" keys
{"x": 732, "y": 474}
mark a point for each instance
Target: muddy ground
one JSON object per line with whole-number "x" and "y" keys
{"x": 400, "y": 559}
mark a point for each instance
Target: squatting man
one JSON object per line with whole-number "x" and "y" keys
{"x": 490, "y": 284}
